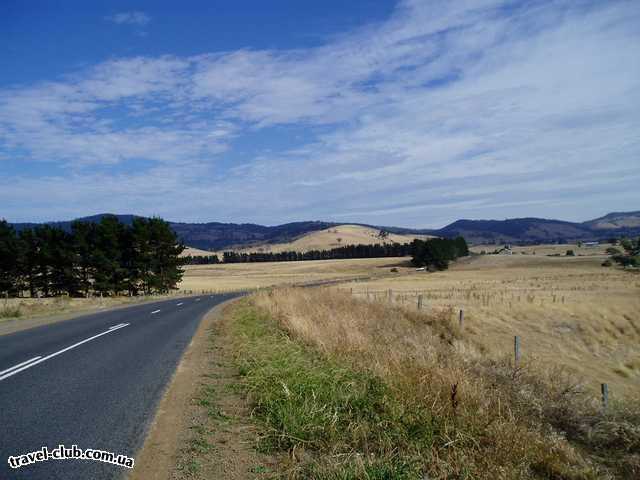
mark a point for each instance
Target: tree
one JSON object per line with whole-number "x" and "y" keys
{"x": 9, "y": 254}
{"x": 631, "y": 256}
{"x": 436, "y": 253}
{"x": 84, "y": 244}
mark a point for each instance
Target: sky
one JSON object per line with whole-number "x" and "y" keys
{"x": 401, "y": 113}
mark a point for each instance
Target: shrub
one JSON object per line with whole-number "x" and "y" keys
{"x": 607, "y": 263}
{"x": 570, "y": 253}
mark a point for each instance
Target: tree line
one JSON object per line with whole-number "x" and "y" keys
{"x": 106, "y": 258}
{"x": 344, "y": 252}
{"x": 433, "y": 254}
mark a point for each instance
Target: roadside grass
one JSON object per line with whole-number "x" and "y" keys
{"x": 353, "y": 389}
{"x": 10, "y": 312}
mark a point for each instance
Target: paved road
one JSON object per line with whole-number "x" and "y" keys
{"x": 93, "y": 381}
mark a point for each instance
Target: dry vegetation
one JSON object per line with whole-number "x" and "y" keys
{"x": 334, "y": 237}
{"x": 450, "y": 410}
{"x": 22, "y": 308}
{"x": 568, "y": 311}
{"x": 247, "y": 276}
{"x": 327, "y": 239}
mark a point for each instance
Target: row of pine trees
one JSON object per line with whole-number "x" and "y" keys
{"x": 434, "y": 253}
{"x": 107, "y": 258}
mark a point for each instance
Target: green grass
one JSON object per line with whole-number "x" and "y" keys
{"x": 350, "y": 423}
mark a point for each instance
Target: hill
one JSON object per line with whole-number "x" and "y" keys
{"x": 517, "y": 230}
{"x": 216, "y": 236}
{"x": 615, "y": 221}
{"x": 335, "y": 237}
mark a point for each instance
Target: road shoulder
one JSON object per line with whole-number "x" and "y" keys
{"x": 201, "y": 428}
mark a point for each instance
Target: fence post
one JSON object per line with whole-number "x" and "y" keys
{"x": 516, "y": 350}
{"x": 461, "y": 319}
{"x": 419, "y": 302}
{"x": 390, "y": 294}
{"x": 604, "y": 388}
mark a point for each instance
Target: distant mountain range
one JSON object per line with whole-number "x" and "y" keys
{"x": 217, "y": 236}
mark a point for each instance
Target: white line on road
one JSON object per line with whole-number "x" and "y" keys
{"x": 116, "y": 326}
{"x": 178, "y": 304}
{"x": 155, "y": 311}
{"x": 19, "y": 365}
{"x": 197, "y": 299}
{"x": 29, "y": 365}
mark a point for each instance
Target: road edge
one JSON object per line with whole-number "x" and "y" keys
{"x": 168, "y": 429}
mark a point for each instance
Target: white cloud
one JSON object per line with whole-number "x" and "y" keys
{"x": 445, "y": 110}
{"x": 139, "y": 19}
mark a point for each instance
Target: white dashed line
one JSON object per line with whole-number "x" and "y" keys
{"x": 13, "y": 370}
{"x": 116, "y": 326}
{"x": 178, "y": 304}
{"x": 197, "y": 299}
{"x": 155, "y": 311}
{"x": 19, "y": 365}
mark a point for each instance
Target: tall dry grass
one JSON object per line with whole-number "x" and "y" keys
{"x": 494, "y": 420}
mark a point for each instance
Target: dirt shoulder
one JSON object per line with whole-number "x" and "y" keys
{"x": 202, "y": 427}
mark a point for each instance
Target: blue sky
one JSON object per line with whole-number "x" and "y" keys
{"x": 410, "y": 113}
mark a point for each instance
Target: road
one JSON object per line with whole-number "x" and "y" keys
{"x": 94, "y": 381}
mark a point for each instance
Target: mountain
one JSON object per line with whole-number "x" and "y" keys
{"x": 218, "y": 236}
{"x": 517, "y": 230}
{"x": 615, "y": 220}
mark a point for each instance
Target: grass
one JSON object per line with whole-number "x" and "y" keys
{"x": 10, "y": 312}
{"x": 568, "y": 311}
{"x": 248, "y": 276}
{"x": 355, "y": 389}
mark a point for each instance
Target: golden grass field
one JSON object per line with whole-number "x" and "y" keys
{"x": 568, "y": 311}
{"x": 248, "y": 276}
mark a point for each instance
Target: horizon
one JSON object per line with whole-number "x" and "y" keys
{"x": 322, "y": 221}
{"x": 390, "y": 113}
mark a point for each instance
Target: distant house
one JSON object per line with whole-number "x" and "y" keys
{"x": 506, "y": 250}
{"x": 590, "y": 244}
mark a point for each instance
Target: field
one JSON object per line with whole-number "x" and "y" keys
{"x": 248, "y": 276}
{"x": 568, "y": 311}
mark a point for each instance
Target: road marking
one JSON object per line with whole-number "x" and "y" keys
{"x": 116, "y": 326}
{"x": 197, "y": 299}
{"x": 155, "y": 311}
{"x": 19, "y": 365}
{"x": 179, "y": 304}
{"x": 29, "y": 365}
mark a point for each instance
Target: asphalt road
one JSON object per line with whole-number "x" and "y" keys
{"x": 94, "y": 381}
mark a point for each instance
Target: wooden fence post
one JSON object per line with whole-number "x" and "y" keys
{"x": 461, "y": 319}
{"x": 516, "y": 350}
{"x": 604, "y": 388}
{"x": 419, "y": 302}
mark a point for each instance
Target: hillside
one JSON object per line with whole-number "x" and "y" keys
{"x": 528, "y": 230}
{"x": 615, "y": 220}
{"x": 335, "y": 237}
{"x": 216, "y": 236}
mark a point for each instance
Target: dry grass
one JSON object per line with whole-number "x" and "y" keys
{"x": 489, "y": 420}
{"x": 247, "y": 276}
{"x": 22, "y": 308}
{"x": 547, "y": 249}
{"x": 569, "y": 312}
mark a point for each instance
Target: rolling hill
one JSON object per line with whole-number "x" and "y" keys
{"x": 335, "y": 237}
{"x": 216, "y": 236}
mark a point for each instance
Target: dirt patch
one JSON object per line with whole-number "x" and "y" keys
{"x": 202, "y": 428}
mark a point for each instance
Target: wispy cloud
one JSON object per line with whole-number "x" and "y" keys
{"x": 139, "y": 19}
{"x": 445, "y": 110}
